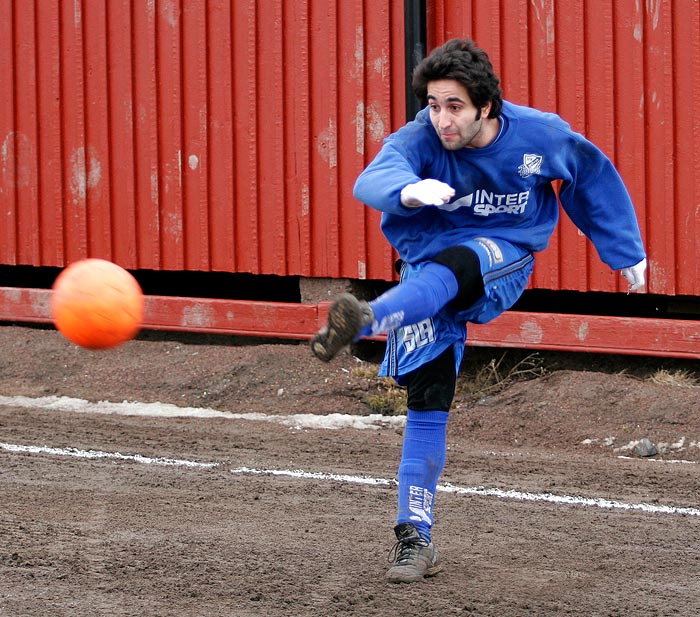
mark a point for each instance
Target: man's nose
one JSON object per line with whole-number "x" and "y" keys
{"x": 444, "y": 119}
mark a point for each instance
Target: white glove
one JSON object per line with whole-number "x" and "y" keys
{"x": 426, "y": 193}
{"x": 635, "y": 275}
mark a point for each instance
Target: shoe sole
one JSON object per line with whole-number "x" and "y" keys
{"x": 405, "y": 577}
{"x": 344, "y": 320}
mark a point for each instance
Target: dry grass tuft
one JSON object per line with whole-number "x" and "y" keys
{"x": 388, "y": 398}
{"x": 499, "y": 373}
{"x": 678, "y": 378}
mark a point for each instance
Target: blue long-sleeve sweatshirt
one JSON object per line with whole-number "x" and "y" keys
{"x": 503, "y": 190}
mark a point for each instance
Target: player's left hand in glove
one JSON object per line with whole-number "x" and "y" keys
{"x": 635, "y": 275}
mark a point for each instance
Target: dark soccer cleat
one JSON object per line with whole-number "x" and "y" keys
{"x": 412, "y": 557}
{"x": 346, "y": 318}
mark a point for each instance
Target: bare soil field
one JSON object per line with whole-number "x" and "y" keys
{"x": 548, "y": 505}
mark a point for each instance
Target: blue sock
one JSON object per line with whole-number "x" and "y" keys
{"x": 422, "y": 461}
{"x": 413, "y": 300}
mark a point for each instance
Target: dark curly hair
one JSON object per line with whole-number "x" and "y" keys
{"x": 463, "y": 61}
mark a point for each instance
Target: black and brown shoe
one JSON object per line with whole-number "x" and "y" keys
{"x": 412, "y": 558}
{"x": 346, "y": 319}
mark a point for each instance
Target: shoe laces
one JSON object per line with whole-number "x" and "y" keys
{"x": 366, "y": 314}
{"x": 404, "y": 550}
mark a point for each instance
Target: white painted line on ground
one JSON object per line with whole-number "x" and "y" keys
{"x": 595, "y": 502}
{"x": 94, "y": 454}
{"x": 668, "y": 461}
{"x": 308, "y": 475}
{"x": 487, "y": 492}
{"x": 314, "y": 475}
{"x": 167, "y": 410}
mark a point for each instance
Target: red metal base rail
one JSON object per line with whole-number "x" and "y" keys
{"x": 584, "y": 333}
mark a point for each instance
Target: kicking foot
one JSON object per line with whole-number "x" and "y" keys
{"x": 346, "y": 319}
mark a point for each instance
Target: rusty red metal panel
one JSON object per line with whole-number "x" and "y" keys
{"x": 297, "y": 164}
{"x": 245, "y": 102}
{"x": 195, "y": 114}
{"x": 50, "y": 177}
{"x": 96, "y": 152}
{"x": 121, "y": 128}
{"x": 686, "y": 137}
{"x": 142, "y": 169}
{"x": 25, "y": 137}
{"x": 72, "y": 123}
{"x": 660, "y": 100}
{"x": 269, "y": 127}
{"x": 170, "y": 123}
{"x": 325, "y": 217}
{"x": 220, "y": 138}
{"x": 381, "y": 111}
{"x": 626, "y": 74}
{"x": 630, "y": 127}
{"x": 8, "y": 226}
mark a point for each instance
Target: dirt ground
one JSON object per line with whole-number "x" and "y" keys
{"x": 128, "y": 535}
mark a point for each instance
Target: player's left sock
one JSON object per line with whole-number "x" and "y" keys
{"x": 413, "y": 300}
{"x": 422, "y": 461}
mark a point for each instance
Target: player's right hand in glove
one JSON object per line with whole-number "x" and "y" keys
{"x": 428, "y": 192}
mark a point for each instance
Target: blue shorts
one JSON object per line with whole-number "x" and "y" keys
{"x": 505, "y": 269}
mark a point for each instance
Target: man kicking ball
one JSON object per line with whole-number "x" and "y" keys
{"x": 466, "y": 196}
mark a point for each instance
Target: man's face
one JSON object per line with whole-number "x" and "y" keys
{"x": 454, "y": 116}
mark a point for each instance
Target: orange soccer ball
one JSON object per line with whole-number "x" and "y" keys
{"x": 97, "y": 304}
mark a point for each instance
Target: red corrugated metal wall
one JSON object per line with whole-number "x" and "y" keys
{"x": 196, "y": 135}
{"x": 221, "y": 135}
{"x": 226, "y": 136}
{"x": 626, "y": 74}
